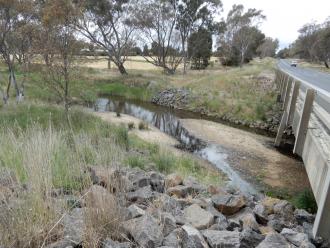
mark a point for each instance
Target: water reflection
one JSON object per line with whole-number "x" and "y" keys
{"x": 168, "y": 121}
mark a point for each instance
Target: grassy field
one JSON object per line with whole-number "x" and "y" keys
{"x": 245, "y": 93}
{"x": 315, "y": 66}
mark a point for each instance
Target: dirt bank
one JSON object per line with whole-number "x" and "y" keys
{"x": 154, "y": 135}
{"x": 253, "y": 156}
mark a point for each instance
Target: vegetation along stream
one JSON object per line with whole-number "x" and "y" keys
{"x": 173, "y": 122}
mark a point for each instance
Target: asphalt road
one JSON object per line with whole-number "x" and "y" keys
{"x": 320, "y": 80}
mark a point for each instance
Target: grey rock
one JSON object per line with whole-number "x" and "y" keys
{"x": 180, "y": 191}
{"x": 222, "y": 239}
{"x": 250, "y": 238}
{"x": 307, "y": 244}
{"x": 274, "y": 240}
{"x": 168, "y": 223}
{"x": 174, "y": 239}
{"x": 261, "y": 214}
{"x": 109, "y": 243}
{"x": 246, "y": 218}
{"x": 302, "y": 216}
{"x": 194, "y": 185}
{"x": 191, "y": 237}
{"x": 277, "y": 224}
{"x": 294, "y": 237}
{"x": 228, "y": 204}
{"x": 74, "y": 226}
{"x": 284, "y": 209}
{"x": 142, "y": 195}
{"x": 145, "y": 230}
{"x": 198, "y": 217}
{"x": 134, "y": 211}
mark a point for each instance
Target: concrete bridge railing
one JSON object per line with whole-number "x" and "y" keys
{"x": 306, "y": 110}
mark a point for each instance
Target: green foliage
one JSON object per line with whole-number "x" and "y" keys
{"x": 136, "y": 161}
{"x": 305, "y": 200}
{"x": 165, "y": 161}
{"x": 200, "y": 48}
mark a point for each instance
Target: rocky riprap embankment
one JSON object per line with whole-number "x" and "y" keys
{"x": 173, "y": 98}
{"x": 181, "y": 98}
{"x": 167, "y": 211}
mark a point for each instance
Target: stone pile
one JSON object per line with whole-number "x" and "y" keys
{"x": 173, "y": 98}
{"x": 169, "y": 211}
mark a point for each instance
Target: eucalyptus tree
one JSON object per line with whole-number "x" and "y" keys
{"x": 156, "y": 21}
{"x": 241, "y": 34}
{"x": 268, "y": 48}
{"x": 61, "y": 46}
{"x": 194, "y": 15}
{"x": 15, "y": 20}
{"x": 108, "y": 24}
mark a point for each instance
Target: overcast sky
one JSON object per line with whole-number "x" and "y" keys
{"x": 285, "y": 17}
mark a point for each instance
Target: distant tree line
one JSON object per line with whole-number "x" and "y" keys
{"x": 166, "y": 33}
{"x": 313, "y": 43}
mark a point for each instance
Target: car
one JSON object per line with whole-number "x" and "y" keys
{"x": 294, "y": 63}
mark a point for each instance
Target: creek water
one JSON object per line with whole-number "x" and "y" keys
{"x": 167, "y": 120}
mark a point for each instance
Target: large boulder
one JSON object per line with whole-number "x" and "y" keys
{"x": 191, "y": 237}
{"x": 157, "y": 182}
{"x": 274, "y": 240}
{"x": 180, "y": 191}
{"x": 222, "y": 239}
{"x": 198, "y": 217}
{"x": 246, "y": 218}
{"x": 174, "y": 239}
{"x": 249, "y": 238}
{"x": 133, "y": 211}
{"x": 269, "y": 203}
{"x": 229, "y": 204}
{"x": 142, "y": 195}
{"x": 173, "y": 180}
{"x": 74, "y": 226}
{"x": 167, "y": 222}
{"x": 261, "y": 214}
{"x": 145, "y": 231}
{"x": 294, "y": 237}
{"x": 302, "y": 216}
{"x": 284, "y": 209}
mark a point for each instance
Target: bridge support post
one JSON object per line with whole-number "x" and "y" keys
{"x": 284, "y": 119}
{"x": 293, "y": 102}
{"x": 303, "y": 122}
{"x": 321, "y": 226}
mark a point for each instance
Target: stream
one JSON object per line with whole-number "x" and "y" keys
{"x": 168, "y": 121}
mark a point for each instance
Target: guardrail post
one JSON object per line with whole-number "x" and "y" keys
{"x": 303, "y": 123}
{"x": 293, "y": 102}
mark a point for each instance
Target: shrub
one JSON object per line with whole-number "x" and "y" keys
{"x": 131, "y": 125}
{"x": 143, "y": 126}
{"x": 305, "y": 200}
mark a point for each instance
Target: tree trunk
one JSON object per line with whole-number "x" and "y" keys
{"x": 109, "y": 63}
{"x": 326, "y": 64}
{"x": 122, "y": 69}
{"x": 184, "y": 56}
